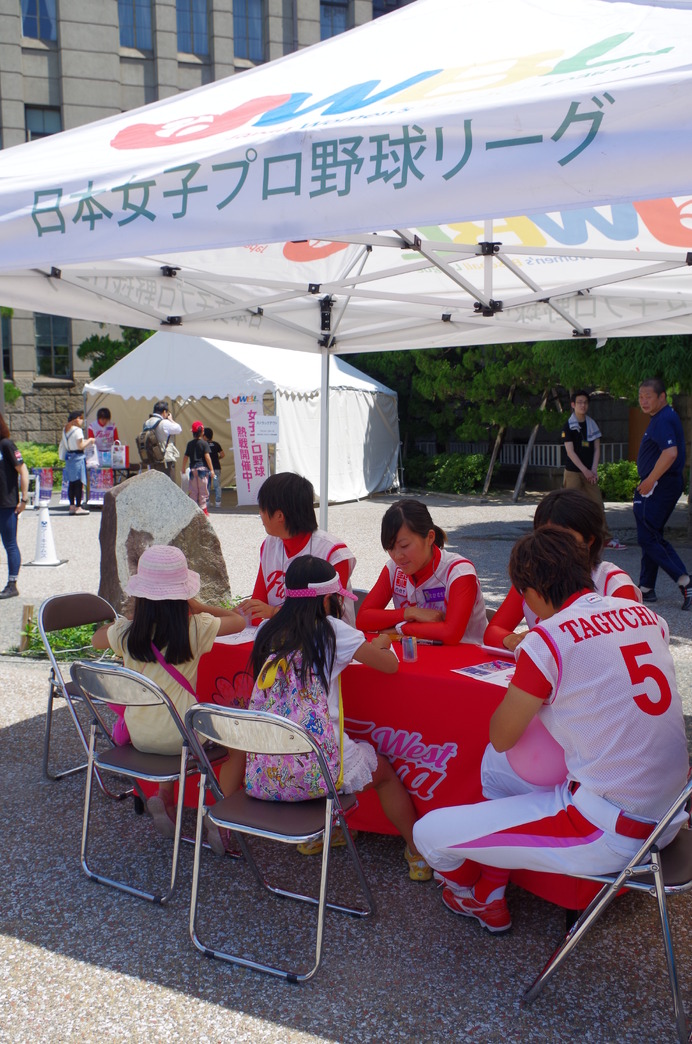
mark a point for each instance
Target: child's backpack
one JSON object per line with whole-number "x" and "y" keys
{"x": 292, "y": 777}
{"x": 150, "y": 449}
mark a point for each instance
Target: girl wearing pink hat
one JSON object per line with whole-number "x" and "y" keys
{"x": 169, "y": 632}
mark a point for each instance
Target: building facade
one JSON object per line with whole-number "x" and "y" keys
{"x": 64, "y": 63}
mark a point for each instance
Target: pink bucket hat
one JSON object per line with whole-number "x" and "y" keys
{"x": 162, "y": 574}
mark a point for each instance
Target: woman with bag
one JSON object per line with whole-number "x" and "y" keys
{"x": 71, "y": 450}
{"x": 169, "y": 632}
{"x": 296, "y": 661}
{"x": 14, "y": 490}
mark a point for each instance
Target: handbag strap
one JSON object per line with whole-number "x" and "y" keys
{"x": 174, "y": 673}
{"x": 340, "y": 781}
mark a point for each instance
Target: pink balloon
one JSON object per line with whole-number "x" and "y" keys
{"x": 537, "y": 757}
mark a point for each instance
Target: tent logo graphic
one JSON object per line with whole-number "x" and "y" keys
{"x": 243, "y": 398}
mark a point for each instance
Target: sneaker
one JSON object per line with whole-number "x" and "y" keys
{"x": 650, "y": 596}
{"x": 206, "y": 512}
{"x": 686, "y": 592}
{"x": 418, "y": 869}
{"x": 308, "y": 848}
{"x": 493, "y": 916}
{"x": 80, "y": 511}
{"x": 10, "y": 591}
{"x": 160, "y": 812}
{"x": 615, "y": 545}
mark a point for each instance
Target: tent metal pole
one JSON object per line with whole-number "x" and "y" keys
{"x": 324, "y": 439}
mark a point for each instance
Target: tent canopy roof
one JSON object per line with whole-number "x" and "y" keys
{"x": 196, "y": 367}
{"x": 194, "y": 213}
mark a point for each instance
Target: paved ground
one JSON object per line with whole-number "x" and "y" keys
{"x": 80, "y": 962}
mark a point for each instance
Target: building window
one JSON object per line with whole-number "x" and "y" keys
{"x": 39, "y": 123}
{"x": 333, "y": 17}
{"x": 38, "y": 19}
{"x": 193, "y": 28}
{"x": 247, "y": 30}
{"x": 53, "y": 346}
{"x": 134, "y": 17}
{"x": 382, "y": 7}
{"x": 6, "y": 343}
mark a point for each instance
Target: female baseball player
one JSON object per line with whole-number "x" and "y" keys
{"x": 598, "y": 673}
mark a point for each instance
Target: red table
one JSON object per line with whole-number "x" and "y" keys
{"x": 431, "y": 723}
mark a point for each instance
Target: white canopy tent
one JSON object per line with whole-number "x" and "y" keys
{"x": 198, "y": 376}
{"x": 514, "y": 163}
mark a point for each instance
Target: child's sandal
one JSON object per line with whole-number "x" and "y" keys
{"x": 418, "y": 869}
{"x": 308, "y": 848}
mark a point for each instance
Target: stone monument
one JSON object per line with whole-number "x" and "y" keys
{"x": 151, "y": 509}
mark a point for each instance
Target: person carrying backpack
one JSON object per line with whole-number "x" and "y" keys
{"x": 153, "y": 440}
{"x": 296, "y": 661}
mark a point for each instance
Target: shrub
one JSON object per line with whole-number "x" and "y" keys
{"x": 618, "y": 481}
{"x": 39, "y": 454}
{"x": 68, "y": 643}
{"x": 12, "y": 392}
{"x": 447, "y": 472}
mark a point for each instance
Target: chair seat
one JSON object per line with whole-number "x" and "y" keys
{"x": 133, "y": 762}
{"x": 287, "y": 818}
{"x": 676, "y": 862}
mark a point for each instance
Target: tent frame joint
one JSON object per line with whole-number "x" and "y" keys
{"x": 326, "y": 305}
{"x": 489, "y": 309}
{"x": 585, "y": 332}
{"x": 487, "y": 248}
{"x": 172, "y": 320}
{"x": 170, "y": 271}
{"x": 55, "y": 273}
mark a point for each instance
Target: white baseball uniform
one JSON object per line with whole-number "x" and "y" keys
{"x": 433, "y": 593}
{"x": 614, "y": 707}
{"x": 274, "y": 561}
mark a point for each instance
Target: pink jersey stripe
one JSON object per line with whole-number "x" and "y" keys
{"x": 528, "y": 840}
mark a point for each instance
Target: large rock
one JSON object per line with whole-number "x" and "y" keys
{"x": 151, "y": 509}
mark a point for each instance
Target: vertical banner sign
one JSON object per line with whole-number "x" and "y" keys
{"x": 251, "y": 459}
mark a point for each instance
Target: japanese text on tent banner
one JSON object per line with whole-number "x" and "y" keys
{"x": 251, "y": 459}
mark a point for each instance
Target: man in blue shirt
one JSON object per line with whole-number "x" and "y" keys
{"x": 660, "y": 463}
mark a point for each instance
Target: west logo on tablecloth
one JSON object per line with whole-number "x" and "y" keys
{"x": 420, "y": 766}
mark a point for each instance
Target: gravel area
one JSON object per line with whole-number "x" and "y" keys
{"x": 80, "y": 962}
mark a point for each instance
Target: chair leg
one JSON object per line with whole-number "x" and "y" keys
{"x": 678, "y": 1007}
{"x": 47, "y": 774}
{"x": 153, "y": 897}
{"x": 586, "y": 919}
{"x": 320, "y": 901}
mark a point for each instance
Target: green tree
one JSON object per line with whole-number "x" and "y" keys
{"x": 104, "y": 352}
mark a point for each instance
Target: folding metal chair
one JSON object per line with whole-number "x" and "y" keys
{"x": 98, "y": 683}
{"x": 71, "y": 610}
{"x": 289, "y": 822}
{"x": 657, "y": 872}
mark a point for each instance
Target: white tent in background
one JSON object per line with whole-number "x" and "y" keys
{"x": 515, "y": 154}
{"x": 198, "y": 375}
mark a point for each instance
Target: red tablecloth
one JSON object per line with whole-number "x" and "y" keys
{"x": 431, "y": 723}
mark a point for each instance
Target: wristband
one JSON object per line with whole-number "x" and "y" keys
{"x": 400, "y": 627}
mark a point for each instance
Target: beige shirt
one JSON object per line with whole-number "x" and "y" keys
{"x": 151, "y": 728}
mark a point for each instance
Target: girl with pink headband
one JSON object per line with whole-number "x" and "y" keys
{"x": 308, "y": 631}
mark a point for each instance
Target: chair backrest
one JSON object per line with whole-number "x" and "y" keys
{"x": 111, "y": 683}
{"x": 255, "y": 732}
{"x": 72, "y": 610}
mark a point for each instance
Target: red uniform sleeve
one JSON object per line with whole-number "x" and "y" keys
{"x": 260, "y": 589}
{"x": 506, "y": 619}
{"x": 372, "y": 615}
{"x": 115, "y": 435}
{"x": 631, "y": 593}
{"x": 90, "y": 432}
{"x": 460, "y": 603}
{"x": 529, "y": 678}
{"x": 343, "y": 571}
